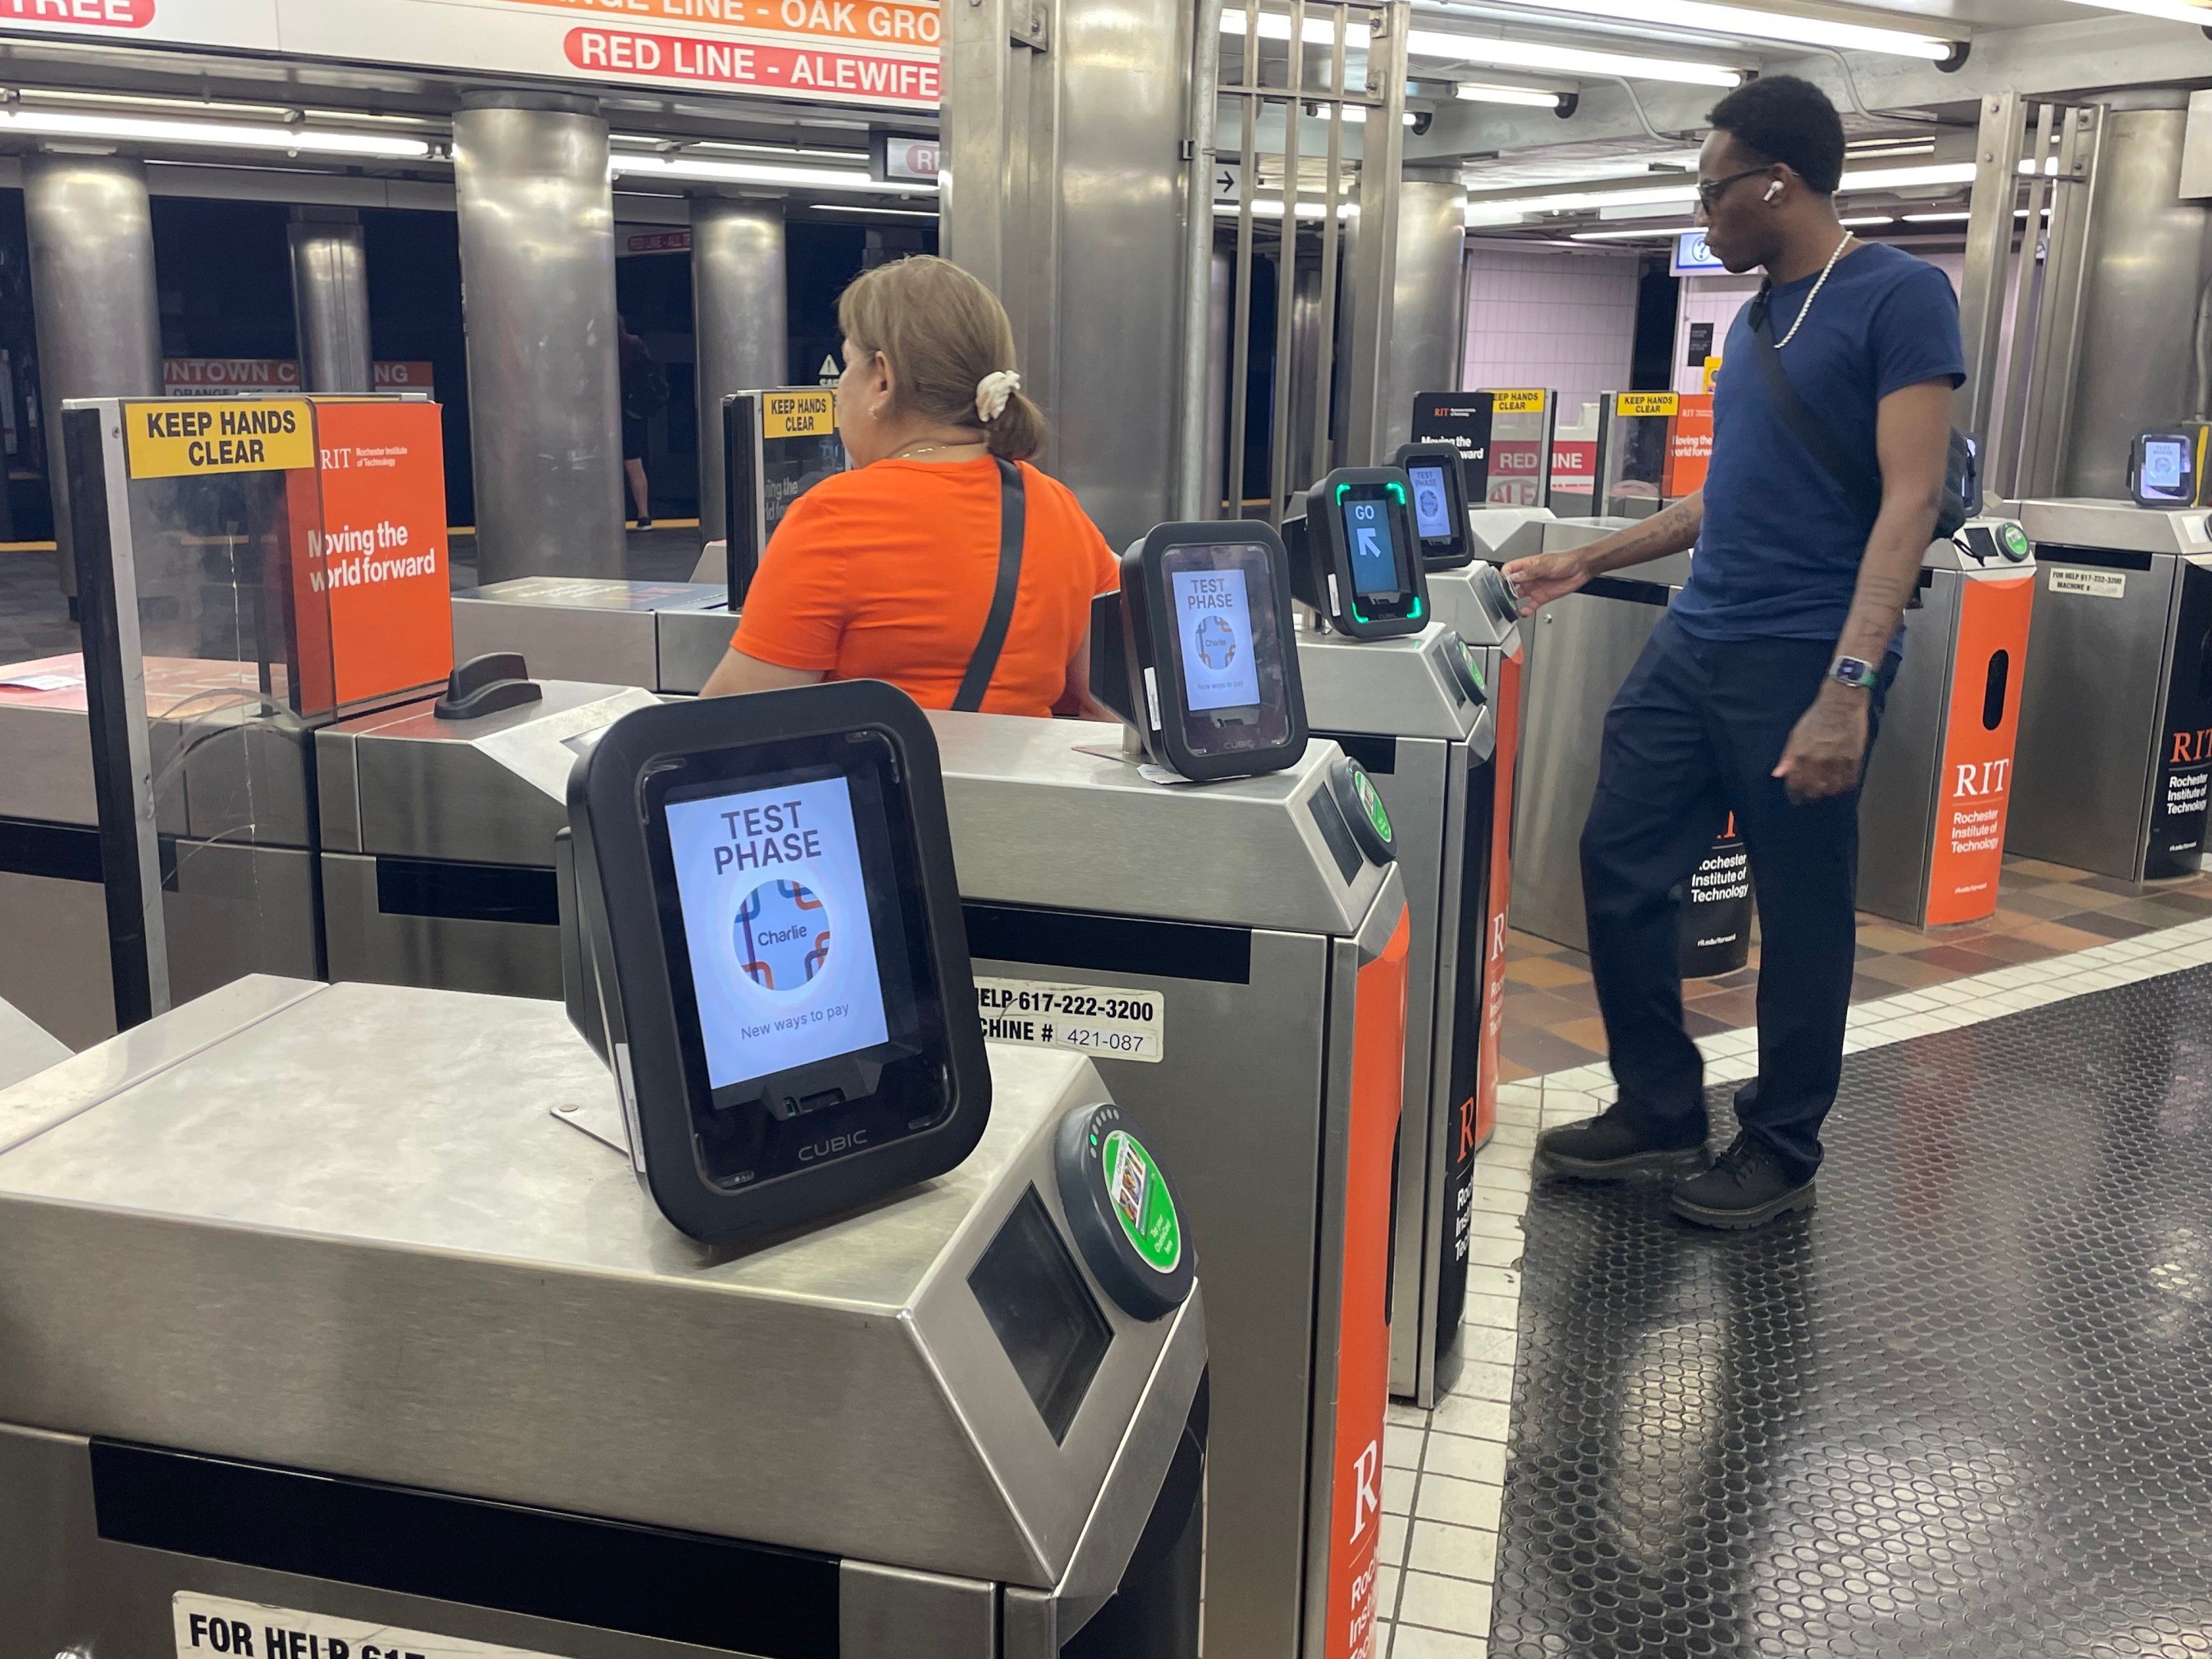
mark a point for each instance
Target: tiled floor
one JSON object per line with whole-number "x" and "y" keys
{"x": 1449, "y": 1468}
{"x": 2044, "y": 910}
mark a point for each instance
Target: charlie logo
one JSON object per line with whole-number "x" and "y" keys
{"x": 782, "y": 936}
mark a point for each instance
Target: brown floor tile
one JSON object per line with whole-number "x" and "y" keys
{"x": 1866, "y": 989}
{"x": 1541, "y": 1051}
{"x": 1508, "y": 1071}
{"x": 2034, "y": 867}
{"x": 2012, "y": 948}
{"x": 1958, "y": 960}
{"x": 2193, "y": 899}
{"x": 2112, "y": 924}
{"x": 1700, "y": 1025}
{"x": 1889, "y": 936}
{"x": 1905, "y": 973}
{"x": 2158, "y": 912}
{"x": 1586, "y": 1033}
{"x": 2041, "y": 903}
{"x": 2111, "y": 885}
{"x": 1736, "y": 980}
{"x": 2062, "y": 938}
{"x": 1545, "y": 971}
{"x": 2082, "y": 896}
{"x": 1547, "y": 1011}
{"x": 1734, "y": 1009}
{"x": 1519, "y": 944}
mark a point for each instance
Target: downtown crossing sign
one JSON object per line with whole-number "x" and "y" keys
{"x": 878, "y": 54}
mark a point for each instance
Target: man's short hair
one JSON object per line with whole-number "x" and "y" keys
{"x": 1782, "y": 119}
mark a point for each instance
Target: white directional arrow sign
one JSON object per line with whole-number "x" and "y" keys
{"x": 1370, "y": 546}
{"x": 1228, "y": 177}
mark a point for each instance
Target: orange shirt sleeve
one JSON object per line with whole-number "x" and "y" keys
{"x": 795, "y": 611}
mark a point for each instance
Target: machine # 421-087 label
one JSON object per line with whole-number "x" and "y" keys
{"x": 1107, "y": 1022}
{"x": 211, "y": 1626}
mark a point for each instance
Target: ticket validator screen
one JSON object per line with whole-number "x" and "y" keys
{"x": 2164, "y": 474}
{"x": 778, "y": 928}
{"x": 1229, "y": 647}
{"x": 1431, "y": 502}
{"x": 1213, "y": 628}
{"x": 1367, "y": 539}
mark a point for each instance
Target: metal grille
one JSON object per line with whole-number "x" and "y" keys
{"x": 1958, "y": 1413}
{"x": 1284, "y": 71}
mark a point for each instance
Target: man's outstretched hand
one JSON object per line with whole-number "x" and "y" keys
{"x": 1538, "y": 580}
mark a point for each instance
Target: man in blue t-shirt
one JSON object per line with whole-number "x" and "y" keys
{"x": 1761, "y": 689}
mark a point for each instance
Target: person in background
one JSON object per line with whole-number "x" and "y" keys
{"x": 942, "y": 561}
{"x": 644, "y": 395}
{"x": 1760, "y": 690}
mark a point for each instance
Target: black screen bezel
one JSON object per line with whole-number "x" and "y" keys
{"x": 738, "y": 1139}
{"x": 1405, "y": 604}
{"x": 1028, "y": 1239}
{"x": 2190, "y": 488}
{"x": 1457, "y": 548}
{"x": 1222, "y": 734}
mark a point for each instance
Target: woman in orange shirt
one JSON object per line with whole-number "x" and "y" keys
{"x": 900, "y": 569}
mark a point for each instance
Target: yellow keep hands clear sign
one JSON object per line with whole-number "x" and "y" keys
{"x": 179, "y": 438}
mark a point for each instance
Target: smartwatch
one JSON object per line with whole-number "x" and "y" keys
{"x": 1856, "y": 672}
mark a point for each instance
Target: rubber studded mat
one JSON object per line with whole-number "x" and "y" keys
{"x": 1965, "y": 1409}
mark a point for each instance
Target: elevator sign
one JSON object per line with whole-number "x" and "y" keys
{"x": 181, "y": 438}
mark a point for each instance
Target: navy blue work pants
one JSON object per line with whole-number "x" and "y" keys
{"x": 1694, "y": 736}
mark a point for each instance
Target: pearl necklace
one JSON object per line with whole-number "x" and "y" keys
{"x": 1806, "y": 310}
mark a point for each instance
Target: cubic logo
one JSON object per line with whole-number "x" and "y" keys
{"x": 1367, "y": 1488}
{"x": 2192, "y": 747}
{"x": 1982, "y": 778}
{"x": 834, "y": 1146}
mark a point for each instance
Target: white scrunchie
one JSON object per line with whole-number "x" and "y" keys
{"x": 992, "y": 392}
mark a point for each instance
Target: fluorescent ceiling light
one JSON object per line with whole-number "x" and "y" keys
{"x": 1758, "y": 26}
{"x": 1519, "y": 97}
{"x": 684, "y": 169}
{"x": 305, "y": 141}
{"x": 2173, "y": 11}
{"x": 1665, "y": 232}
{"x": 870, "y": 207}
{"x": 1861, "y": 224}
{"x": 1264, "y": 207}
{"x": 1937, "y": 218}
{"x": 1501, "y": 53}
{"x": 1936, "y": 173}
{"x": 1356, "y": 114}
{"x": 1319, "y": 31}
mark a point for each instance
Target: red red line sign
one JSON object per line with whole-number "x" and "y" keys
{"x": 806, "y": 74}
{"x": 81, "y": 13}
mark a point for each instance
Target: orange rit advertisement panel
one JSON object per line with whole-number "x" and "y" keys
{"x": 1478, "y": 1117}
{"x": 372, "y": 579}
{"x": 1363, "y": 1337}
{"x": 1980, "y": 730}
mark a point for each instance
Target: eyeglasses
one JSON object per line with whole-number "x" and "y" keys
{"x": 1709, "y": 191}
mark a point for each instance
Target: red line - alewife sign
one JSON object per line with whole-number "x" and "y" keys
{"x": 844, "y": 77}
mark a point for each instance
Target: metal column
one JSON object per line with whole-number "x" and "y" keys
{"x": 1062, "y": 130}
{"x": 1427, "y": 344}
{"x": 330, "y": 300}
{"x": 738, "y": 316}
{"x": 537, "y": 277}
{"x": 92, "y": 288}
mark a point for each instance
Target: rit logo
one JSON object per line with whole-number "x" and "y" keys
{"x": 1366, "y": 1488}
{"x": 1982, "y": 778}
{"x": 2190, "y": 747}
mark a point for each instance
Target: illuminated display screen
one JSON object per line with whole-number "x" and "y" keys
{"x": 2164, "y": 466}
{"x": 1432, "y": 503}
{"x": 1367, "y": 539}
{"x": 777, "y": 922}
{"x": 1213, "y": 627}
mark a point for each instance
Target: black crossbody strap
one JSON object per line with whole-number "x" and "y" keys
{"x": 1808, "y": 428}
{"x": 1013, "y": 522}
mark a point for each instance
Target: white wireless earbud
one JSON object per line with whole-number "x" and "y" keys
{"x": 1772, "y": 190}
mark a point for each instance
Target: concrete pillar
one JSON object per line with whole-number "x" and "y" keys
{"x": 741, "y": 334}
{"x": 538, "y": 299}
{"x": 330, "y": 300}
{"x": 1426, "y": 336}
{"x": 91, "y": 286}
